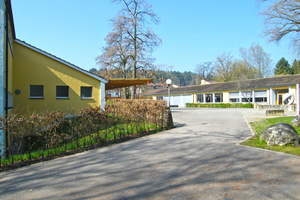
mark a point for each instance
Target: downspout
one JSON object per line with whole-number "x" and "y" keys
{"x": 6, "y": 74}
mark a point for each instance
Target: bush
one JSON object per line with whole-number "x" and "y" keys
{"x": 53, "y": 131}
{"x": 219, "y": 105}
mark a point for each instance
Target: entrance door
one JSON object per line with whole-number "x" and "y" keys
{"x": 279, "y": 95}
{"x": 280, "y": 99}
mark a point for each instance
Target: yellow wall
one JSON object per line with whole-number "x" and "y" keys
{"x": 33, "y": 68}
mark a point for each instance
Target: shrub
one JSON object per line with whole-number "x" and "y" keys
{"x": 55, "y": 131}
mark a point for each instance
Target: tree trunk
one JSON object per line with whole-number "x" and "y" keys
{"x": 134, "y": 59}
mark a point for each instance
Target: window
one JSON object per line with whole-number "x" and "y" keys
{"x": 261, "y": 99}
{"x": 199, "y": 98}
{"x": 219, "y": 97}
{"x": 160, "y": 98}
{"x": 247, "y": 100}
{"x": 235, "y": 100}
{"x": 208, "y": 98}
{"x": 234, "y": 97}
{"x": 62, "y": 92}
{"x": 86, "y": 92}
{"x": 261, "y": 96}
{"x": 36, "y": 91}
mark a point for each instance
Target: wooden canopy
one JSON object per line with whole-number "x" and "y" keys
{"x": 120, "y": 83}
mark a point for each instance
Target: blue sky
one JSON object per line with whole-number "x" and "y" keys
{"x": 192, "y": 31}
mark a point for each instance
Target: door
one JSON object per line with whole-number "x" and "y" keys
{"x": 280, "y": 99}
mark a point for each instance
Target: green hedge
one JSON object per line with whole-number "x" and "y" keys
{"x": 219, "y": 105}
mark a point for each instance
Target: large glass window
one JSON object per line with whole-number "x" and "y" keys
{"x": 218, "y": 97}
{"x": 62, "y": 92}
{"x": 86, "y": 92}
{"x": 208, "y": 98}
{"x": 199, "y": 98}
{"x": 260, "y": 96}
{"x": 261, "y": 99}
{"x": 247, "y": 100}
{"x": 36, "y": 91}
{"x": 234, "y": 97}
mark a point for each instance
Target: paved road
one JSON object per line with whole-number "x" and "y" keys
{"x": 200, "y": 159}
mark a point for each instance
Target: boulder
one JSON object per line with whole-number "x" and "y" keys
{"x": 280, "y": 134}
{"x": 296, "y": 121}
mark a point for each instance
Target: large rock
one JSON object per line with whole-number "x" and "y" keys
{"x": 280, "y": 134}
{"x": 296, "y": 121}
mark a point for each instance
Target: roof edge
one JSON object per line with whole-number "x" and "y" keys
{"x": 60, "y": 60}
{"x": 11, "y": 18}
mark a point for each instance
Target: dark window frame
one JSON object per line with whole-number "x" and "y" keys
{"x": 218, "y": 97}
{"x": 86, "y": 97}
{"x": 31, "y": 96}
{"x": 62, "y": 96}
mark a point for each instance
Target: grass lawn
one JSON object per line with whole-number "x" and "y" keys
{"x": 113, "y": 133}
{"x": 259, "y": 126}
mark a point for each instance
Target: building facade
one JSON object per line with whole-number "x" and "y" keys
{"x": 265, "y": 91}
{"x": 34, "y": 80}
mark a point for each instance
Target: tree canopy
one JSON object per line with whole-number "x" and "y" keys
{"x": 283, "y": 67}
{"x": 130, "y": 45}
{"x": 282, "y": 20}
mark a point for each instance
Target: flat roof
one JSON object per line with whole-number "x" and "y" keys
{"x": 126, "y": 82}
{"x": 260, "y": 83}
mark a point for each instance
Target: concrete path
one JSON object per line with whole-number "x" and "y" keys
{"x": 200, "y": 159}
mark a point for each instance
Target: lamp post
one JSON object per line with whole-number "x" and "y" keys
{"x": 169, "y": 82}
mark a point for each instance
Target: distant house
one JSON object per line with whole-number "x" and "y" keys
{"x": 269, "y": 91}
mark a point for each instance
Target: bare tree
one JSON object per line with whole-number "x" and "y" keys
{"x": 244, "y": 86}
{"x": 282, "y": 19}
{"x": 205, "y": 70}
{"x": 116, "y": 53}
{"x": 256, "y": 58}
{"x": 137, "y": 15}
{"x": 115, "y": 58}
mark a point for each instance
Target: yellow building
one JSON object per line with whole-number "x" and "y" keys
{"x": 42, "y": 82}
{"x": 34, "y": 80}
{"x": 264, "y": 91}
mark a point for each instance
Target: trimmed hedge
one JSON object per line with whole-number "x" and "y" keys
{"x": 39, "y": 136}
{"x": 219, "y": 105}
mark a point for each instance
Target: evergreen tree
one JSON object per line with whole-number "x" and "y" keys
{"x": 296, "y": 67}
{"x": 283, "y": 67}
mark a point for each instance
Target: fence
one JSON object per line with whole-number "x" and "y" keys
{"x": 40, "y": 135}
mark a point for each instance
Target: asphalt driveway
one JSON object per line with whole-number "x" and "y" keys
{"x": 200, "y": 159}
